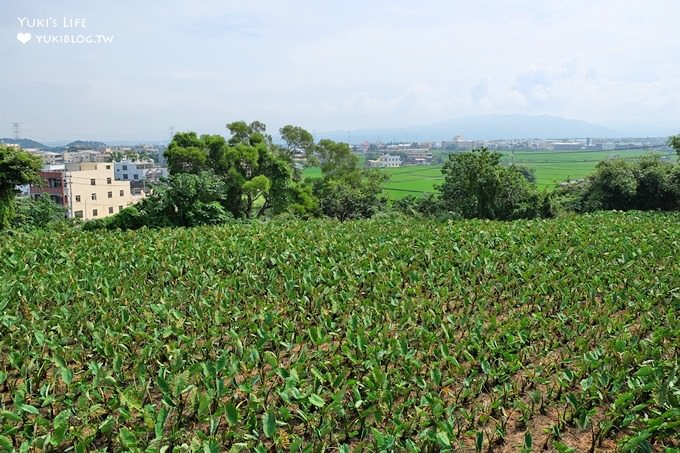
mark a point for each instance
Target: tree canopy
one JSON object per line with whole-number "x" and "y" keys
{"x": 477, "y": 185}
{"x": 17, "y": 167}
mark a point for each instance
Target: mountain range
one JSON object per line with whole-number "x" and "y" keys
{"x": 481, "y": 127}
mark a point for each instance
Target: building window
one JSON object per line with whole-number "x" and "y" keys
{"x": 124, "y": 167}
{"x": 94, "y": 196}
{"x": 78, "y": 199}
{"x": 110, "y": 209}
{"x": 92, "y": 182}
{"x": 122, "y": 193}
{"x": 125, "y": 176}
{"x": 78, "y": 214}
{"x": 108, "y": 167}
{"x": 108, "y": 180}
{"x": 120, "y": 208}
{"x": 94, "y": 213}
{"x": 110, "y": 194}
{"x": 136, "y": 176}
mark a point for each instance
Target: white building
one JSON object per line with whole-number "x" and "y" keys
{"x": 139, "y": 170}
{"x": 385, "y": 161}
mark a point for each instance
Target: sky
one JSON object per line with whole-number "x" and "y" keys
{"x": 330, "y": 65}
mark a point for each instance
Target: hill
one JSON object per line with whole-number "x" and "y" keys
{"x": 25, "y": 143}
{"x": 483, "y": 127}
{"x": 85, "y": 144}
{"x": 383, "y": 335}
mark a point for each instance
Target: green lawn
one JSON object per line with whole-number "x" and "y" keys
{"x": 551, "y": 168}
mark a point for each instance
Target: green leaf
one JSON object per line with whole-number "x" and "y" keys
{"x": 232, "y": 414}
{"x": 443, "y": 439}
{"x": 6, "y": 443}
{"x": 316, "y": 400}
{"x": 67, "y": 376}
{"x": 269, "y": 424}
{"x": 127, "y": 438}
{"x": 28, "y": 408}
{"x": 644, "y": 371}
{"x": 60, "y": 425}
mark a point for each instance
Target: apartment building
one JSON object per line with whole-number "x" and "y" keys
{"x": 87, "y": 190}
{"x": 139, "y": 170}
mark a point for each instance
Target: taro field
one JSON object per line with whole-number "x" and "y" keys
{"x": 383, "y": 335}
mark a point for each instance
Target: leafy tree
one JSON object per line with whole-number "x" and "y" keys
{"x": 17, "y": 167}
{"x": 298, "y": 141}
{"x": 351, "y": 198}
{"x": 256, "y": 177}
{"x": 674, "y": 142}
{"x": 36, "y": 213}
{"x": 613, "y": 186}
{"x": 477, "y": 185}
{"x": 345, "y": 191}
{"x": 337, "y": 159}
{"x": 250, "y": 134}
{"x": 186, "y": 153}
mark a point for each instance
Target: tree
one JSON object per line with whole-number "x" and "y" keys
{"x": 186, "y": 153}
{"x": 17, "y": 167}
{"x": 476, "y": 185}
{"x": 346, "y": 199}
{"x": 337, "y": 159}
{"x": 674, "y": 142}
{"x": 298, "y": 141}
{"x": 254, "y": 174}
{"x": 345, "y": 191}
{"x": 36, "y": 213}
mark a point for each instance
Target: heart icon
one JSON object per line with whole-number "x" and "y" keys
{"x": 23, "y": 37}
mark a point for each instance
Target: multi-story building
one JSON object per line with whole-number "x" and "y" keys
{"x": 139, "y": 170}
{"x": 385, "y": 161}
{"x": 87, "y": 190}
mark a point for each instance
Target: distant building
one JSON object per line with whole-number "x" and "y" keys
{"x": 567, "y": 146}
{"x": 139, "y": 170}
{"x": 87, "y": 190}
{"x": 385, "y": 161}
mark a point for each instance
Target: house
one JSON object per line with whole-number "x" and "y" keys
{"x": 87, "y": 190}
{"x": 385, "y": 161}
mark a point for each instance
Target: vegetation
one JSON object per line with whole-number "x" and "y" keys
{"x": 674, "y": 142}
{"x": 17, "y": 167}
{"x": 38, "y": 213}
{"x": 647, "y": 184}
{"x": 393, "y": 334}
{"x": 476, "y": 185}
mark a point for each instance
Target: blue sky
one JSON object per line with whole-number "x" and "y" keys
{"x": 334, "y": 65}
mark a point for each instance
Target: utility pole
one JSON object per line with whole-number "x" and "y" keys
{"x": 69, "y": 191}
{"x": 16, "y": 130}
